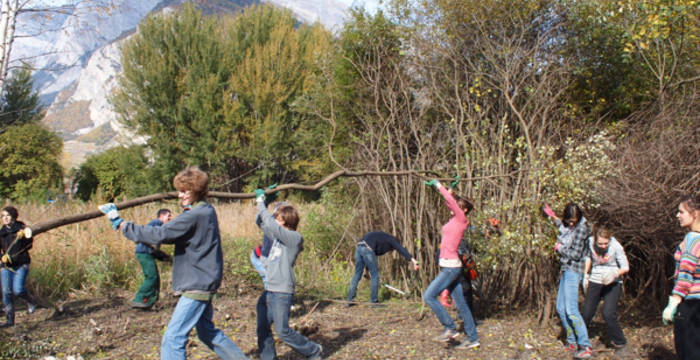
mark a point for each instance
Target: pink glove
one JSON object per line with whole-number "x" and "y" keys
{"x": 548, "y": 211}
{"x": 445, "y": 298}
{"x": 557, "y": 246}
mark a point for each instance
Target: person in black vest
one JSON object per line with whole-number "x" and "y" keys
{"x": 373, "y": 244}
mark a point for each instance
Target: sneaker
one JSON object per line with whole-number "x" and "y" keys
{"x": 468, "y": 344}
{"x": 585, "y": 353}
{"x": 138, "y": 305}
{"x": 31, "y": 308}
{"x": 317, "y": 355}
{"x": 447, "y": 335}
{"x": 571, "y": 348}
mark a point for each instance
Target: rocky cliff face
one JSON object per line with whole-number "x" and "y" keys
{"x": 80, "y": 62}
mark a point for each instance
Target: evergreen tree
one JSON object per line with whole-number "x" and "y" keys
{"x": 19, "y": 104}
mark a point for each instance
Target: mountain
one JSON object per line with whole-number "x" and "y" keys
{"x": 77, "y": 54}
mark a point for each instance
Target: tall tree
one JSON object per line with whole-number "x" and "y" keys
{"x": 220, "y": 92}
{"x": 19, "y": 103}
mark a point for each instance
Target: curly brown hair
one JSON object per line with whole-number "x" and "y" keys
{"x": 194, "y": 180}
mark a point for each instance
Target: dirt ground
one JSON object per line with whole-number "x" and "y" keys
{"x": 106, "y": 328}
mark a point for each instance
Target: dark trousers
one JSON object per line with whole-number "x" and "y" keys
{"x": 610, "y": 294}
{"x": 148, "y": 292}
{"x": 686, "y": 330}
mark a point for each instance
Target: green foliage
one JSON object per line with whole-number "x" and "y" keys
{"x": 29, "y": 165}
{"x": 114, "y": 173}
{"x": 101, "y": 273}
{"x": 19, "y": 104}
{"x": 220, "y": 92}
{"x": 328, "y": 222}
{"x": 236, "y": 254}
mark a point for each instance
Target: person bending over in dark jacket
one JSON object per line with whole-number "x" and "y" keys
{"x": 373, "y": 244}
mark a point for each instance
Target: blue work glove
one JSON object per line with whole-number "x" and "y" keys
{"x": 269, "y": 199}
{"x": 110, "y": 210}
{"x": 433, "y": 182}
{"x": 670, "y": 310}
{"x": 259, "y": 195}
{"x": 455, "y": 182}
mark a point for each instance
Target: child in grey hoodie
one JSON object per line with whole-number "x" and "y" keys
{"x": 274, "y": 303}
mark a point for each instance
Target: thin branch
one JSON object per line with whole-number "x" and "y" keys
{"x": 72, "y": 219}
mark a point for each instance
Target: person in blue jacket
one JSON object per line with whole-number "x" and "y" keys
{"x": 147, "y": 295}
{"x": 198, "y": 264}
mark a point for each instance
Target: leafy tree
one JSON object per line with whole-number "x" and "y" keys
{"x": 19, "y": 104}
{"x": 220, "y": 92}
{"x": 119, "y": 171}
{"x": 29, "y": 156}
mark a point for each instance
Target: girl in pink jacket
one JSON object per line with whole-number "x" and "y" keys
{"x": 451, "y": 272}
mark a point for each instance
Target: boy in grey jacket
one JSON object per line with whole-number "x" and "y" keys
{"x": 197, "y": 266}
{"x": 273, "y": 305}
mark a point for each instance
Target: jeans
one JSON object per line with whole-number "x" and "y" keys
{"x": 365, "y": 257}
{"x": 567, "y": 308}
{"x": 148, "y": 292}
{"x": 610, "y": 294}
{"x": 258, "y": 266}
{"x": 451, "y": 279}
{"x": 273, "y": 308}
{"x": 13, "y": 283}
{"x": 191, "y": 313}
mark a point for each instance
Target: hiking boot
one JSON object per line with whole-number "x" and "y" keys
{"x": 468, "y": 344}
{"x": 620, "y": 350}
{"x": 585, "y": 353}
{"x": 447, "y": 335}
{"x": 317, "y": 355}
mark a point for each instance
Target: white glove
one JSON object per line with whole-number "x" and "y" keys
{"x": 27, "y": 232}
{"x": 670, "y": 310}
{"x": 610, "y": 277}
{"x": 585, "y": 283}
{"x": 110, "y": 210}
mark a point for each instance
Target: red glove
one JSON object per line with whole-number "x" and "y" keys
{"x": 445, "y": 298}
{"x": 258, "y": 251}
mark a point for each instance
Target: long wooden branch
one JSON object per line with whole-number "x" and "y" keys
{"x": 72, "y": 219}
